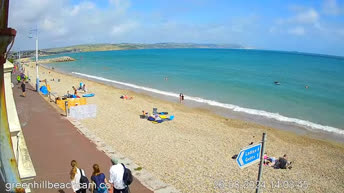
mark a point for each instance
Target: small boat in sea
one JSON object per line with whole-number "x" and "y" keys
{"x": 277, "y": 83}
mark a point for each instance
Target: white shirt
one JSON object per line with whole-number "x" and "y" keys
{"x": 116, "y": 176}
{"x": 76, "y": 180}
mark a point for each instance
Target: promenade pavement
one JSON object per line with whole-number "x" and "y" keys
{"x": 53, "y": 142}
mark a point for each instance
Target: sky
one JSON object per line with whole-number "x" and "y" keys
{"x": 313, "y": 26}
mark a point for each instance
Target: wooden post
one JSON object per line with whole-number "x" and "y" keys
{"x": 66, "y": 107}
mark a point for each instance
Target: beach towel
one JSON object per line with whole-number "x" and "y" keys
{"x": 151, "y": 119}
{"x": 163, "y": 116}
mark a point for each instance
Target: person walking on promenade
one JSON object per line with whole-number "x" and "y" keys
{"x": 75, "y": 176}
{"x": 116, "y": 177}
{"x": 99, "y": 184}
{"x": 18, "y": 79}
{"x": 23, "y": 87}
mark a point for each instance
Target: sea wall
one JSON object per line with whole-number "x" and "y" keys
{"x": 21, "y": 152}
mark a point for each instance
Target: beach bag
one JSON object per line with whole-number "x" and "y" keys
{"x": 102, "y": 189}
{"x": 84, "y": 183}
{"x": 127, "y": 176}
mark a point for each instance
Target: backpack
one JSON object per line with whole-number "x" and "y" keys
{"x": 127, "y": 176}
{"x": 84, "y": 183}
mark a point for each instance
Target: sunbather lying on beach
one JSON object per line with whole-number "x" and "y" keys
{"x": 280, "y": 163}
{"x": 283, "y": 163}
{"x": 269, "y": 161}
{"x": 126, "y": 97}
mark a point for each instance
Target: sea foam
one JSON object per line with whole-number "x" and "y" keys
{"x": 232, "y": 107}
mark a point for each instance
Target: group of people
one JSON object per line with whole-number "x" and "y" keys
{"x": 21, "y": 78}
{"x": 280, "y": 163}
{"x": 82, "y": 87}
{"x": 98, "y": 182}
{"x": 75, "y": 91}
{"x": 156, "y": 117}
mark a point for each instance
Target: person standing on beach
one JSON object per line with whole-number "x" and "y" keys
{"x": 84, "y": 87}
{"x": 75, "y": 175}
{"x": 181, "y": 97}
{"x": 75, "y": 90}
{"x": 23, "y": 87}
{"x": 116, "y": 177}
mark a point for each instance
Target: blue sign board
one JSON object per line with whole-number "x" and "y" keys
{"x": 249, "y": 155}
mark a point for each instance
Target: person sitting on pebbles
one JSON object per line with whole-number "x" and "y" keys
{"x": 283, "y": 163}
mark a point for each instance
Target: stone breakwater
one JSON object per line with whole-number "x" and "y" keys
{"x": 59, "y": 59}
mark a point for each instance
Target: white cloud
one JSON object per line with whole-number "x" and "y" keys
{"x": 121, "y": 29}
{"x": 82, "y": 6}
{"x": 309, "y": 16}
{"x": 60, "y": 23}
{"x": 331, "y": 7}
{"x": 299, "y": 31}
{"x": 301, "y": 16}
{"x": 302, "y": 19}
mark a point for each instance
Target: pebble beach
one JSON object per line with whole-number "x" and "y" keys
{"x": 194, "y": 151}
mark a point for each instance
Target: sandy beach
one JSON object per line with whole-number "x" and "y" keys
{"x": 194, "y": 151}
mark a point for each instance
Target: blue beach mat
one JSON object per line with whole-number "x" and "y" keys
{"x": 88, "y": 95}
{"x": 44, "y": 90}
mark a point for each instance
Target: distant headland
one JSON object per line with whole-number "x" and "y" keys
{"x": 124, "y": 46}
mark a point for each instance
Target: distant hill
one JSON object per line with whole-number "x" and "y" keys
{"x": 129, "y": 46}
{"x": 125, "y": 46}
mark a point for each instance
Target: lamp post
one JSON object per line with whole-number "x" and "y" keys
{"x": 37, "y": 77}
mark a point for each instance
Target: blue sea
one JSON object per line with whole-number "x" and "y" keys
{"x": 238, "y": 80}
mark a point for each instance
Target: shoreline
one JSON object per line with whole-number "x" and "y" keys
{"x": 294, "y": 127}
{"x": 193, "y": 152}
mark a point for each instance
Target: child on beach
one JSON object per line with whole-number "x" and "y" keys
{"x": 269, "y": 161}
{"x": 75, "y": 90}
{"x": 84, "y": 87}
{"x": 80, "y": 86}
